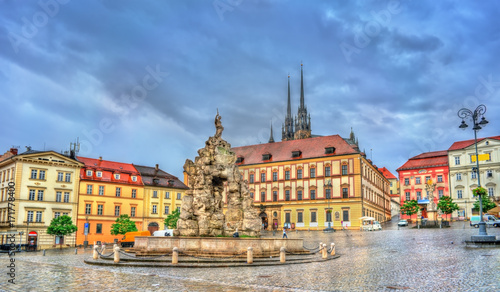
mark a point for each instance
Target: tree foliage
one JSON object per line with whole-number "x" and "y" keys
{"x": 446, "y": 205}
{"x": 488, "y": 204}
{"x": 61, "y": 226}
{"x": 171, "y": 220}
{"x": 410, "y": 208}
{"x": 122, "y": 225}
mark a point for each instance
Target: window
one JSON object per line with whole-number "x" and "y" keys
{"x": 417, "y": 180}
{"x": 32, "y": 195}
{"x": 345, "y": 193}
{"x": 300, "y": 217}
{"x": 57, "y": 214}
{"x": 66, "y": 197}
{"x": 313, "y": 195}
{"x": 299, "y": 195}
{"x": 38, "y": 216}
{"x": 287, "y": 174}
{"x": 117, "y": 176}
{"x": 88, "y": 208}
{"x": 178, "y": 196}
{"x": 263, "y": 196}
{"x": 155, "y": 194}
{"x": 134, "y": 178}
{"x": 40, "y": 195}
{"x": 459, "y": 194}
{"x": 327, "y": 171}
{"x": 266, "y": 156}
{"x": 60, "y": 176}
{"x": 440, "y": 178}
{"x": 287, "y": 217}
{"x": 179, "y": 209}
{"x": 132, "y": 211}
{"x": 167, "y": 195}
{"x": 407, "y": 181}
{"x": 67, "y": 177}
{"x": 275, "y": 196}
{"x": 263, "y": 177}
{"x": 167, "y": 209}
{"x": 459, "y": 176}
{"x": 328, "y": 215}
{"x": 117, "y": 211}
{"x": 275, "y": 176}
{"x": 42, "y": 174}
{"x": 30, "y": 216}
{"x": 89, "y": 172}
{"x": 99, "y": 209}
{"x": 457, "y": 160}
{"x": 287, "y": 195}
{"x": 34, "y": 173}
{"x": 344, "y": 169}
{"x": 101, "y": 191}
{"x": 328, "y": 193}
{"x": 99, "y": 174}
{"x": 154, "y": 209}
{"x": 407, "y": 196}
{"x": 313, "y": 216}
{"x": 489, "y": 173}
{"x": 427, "y": 179}
{"x": 65, "y": 214}
{"x": 251, "y": 178}
{"x": 440, "y": 193}
{"x": 345, "y": 215}
{"x": 118, "y": 191}
{"x": 419, "y": 195}
{"x": 312, "y": 172}
{"x": 296, "y": 154}
{"x": 474, "y": 175}
{"x": 491, "y": 192}
{"x": 89, "y": 189}
{"x": 329, "y": 150}
{"x": 98, "y": 228}
{"x": 251, "y": 195}
{"x": 58, "y": 196}
{"x": 299, "y": 173}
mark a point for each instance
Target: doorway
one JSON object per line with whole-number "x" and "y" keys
{"x": 265, "y": 223}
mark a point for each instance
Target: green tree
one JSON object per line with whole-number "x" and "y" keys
{"x": 171, "y": 220}
{"x": 488, "y": 204}
{"x": 61, "y": 226}
{"x": 446, "y": 205}
{"x": 122, "y": 225}
{"x": 410, "y": 208}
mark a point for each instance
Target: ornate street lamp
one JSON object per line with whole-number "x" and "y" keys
{"x": 476, "y": 115}
{"x": 328, "y": 193}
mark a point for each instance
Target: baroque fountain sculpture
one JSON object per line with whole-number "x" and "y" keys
{"x": 202, "y": 206}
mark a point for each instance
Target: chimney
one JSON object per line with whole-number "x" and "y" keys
{"x": 100, "y": 158}
{"x": 13, "y": 151}
{"x": 156, "y": 167}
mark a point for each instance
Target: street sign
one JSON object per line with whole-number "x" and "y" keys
{"x": 482, "y": 157}
{"x": 86, "y": 229}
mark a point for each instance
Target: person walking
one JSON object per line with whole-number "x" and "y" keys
{"x": 284, "y": 233}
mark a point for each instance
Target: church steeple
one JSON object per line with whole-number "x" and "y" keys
{"x": 287, "y": 129}
{"x": 303, "y": 121}
{"x": 271, "y": 139}
{"x": 301, "y": 87}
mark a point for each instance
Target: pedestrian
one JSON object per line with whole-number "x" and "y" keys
{"x": 284, "y": 233}
{"x": 342, "y": 223}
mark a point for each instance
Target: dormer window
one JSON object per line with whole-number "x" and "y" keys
{"x": 98, "y": 173}
{"x": 156, "y": 181}
{"x": 296, "y": 153}
{"x": 266, "y": 156}
{"x": 117, "y": 176}
{"x": 240, "y": 159}
{"x": 89, "y": 172}
{"x": 329, "y": 150}
{"x": 134, "y": 178}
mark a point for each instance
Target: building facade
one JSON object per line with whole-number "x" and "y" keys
{"x": 163, "y": 193}
{"x": 415, "y": 176}
{"x": 393, "y": 191}
{"x": 108, "y": 189}
{"x": 310, "y": 184}
{"x": 464, "y": 178}
{"x": 46, "y": 187}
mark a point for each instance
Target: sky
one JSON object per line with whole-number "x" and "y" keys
{"x": 141, "y": 81}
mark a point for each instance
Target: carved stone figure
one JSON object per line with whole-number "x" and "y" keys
{"x": 213, "y": 172}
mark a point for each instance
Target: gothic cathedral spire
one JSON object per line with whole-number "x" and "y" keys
{"x": 303, "y": 121}
{"x": 287, "y": 129}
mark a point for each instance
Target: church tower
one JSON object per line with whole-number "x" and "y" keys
{"x": 303, "y": 120}
{"x": 287, "y": 128}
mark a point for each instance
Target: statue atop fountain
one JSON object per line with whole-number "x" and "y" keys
{"x": 202, "y": 206}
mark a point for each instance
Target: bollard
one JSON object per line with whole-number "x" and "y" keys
{"x": 76, "y": 250}
{"x": 320, "y": 245}
{"x": 175, "y": 256}
{"x": 250, "y": 255}
{"x": 117, "y": 254}
{"x": 325, "y": 252}
{"x": 44, "y": 252}
{"x": 282, "y": 254}
{"x": 333, "y": 249}
{"x": 95, "y": 256}
{"x": 103, "y": 248}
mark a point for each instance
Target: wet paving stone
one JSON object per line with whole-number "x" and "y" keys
{"x": 389, "y": 260}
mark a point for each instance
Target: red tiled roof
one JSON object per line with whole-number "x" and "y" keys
{"x": 427, "y": 159}
{"x": 109, "y": 168}
{"x": 467, "y": 143}
{"x": 149, "y": 174}
{"x": 282, "y": 151}
{"x": 387, "y": 173}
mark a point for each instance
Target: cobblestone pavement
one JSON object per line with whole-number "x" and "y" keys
{"x": 390, "y": 260}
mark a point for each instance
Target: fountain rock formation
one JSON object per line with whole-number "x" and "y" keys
{"x": 201, "y": 210}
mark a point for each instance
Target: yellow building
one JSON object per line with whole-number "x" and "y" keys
{"x": 45, "y": 186}
{"x": 314, "y": 183}
{"x": 163, "y": 193}
{"x": 107, "y": 190}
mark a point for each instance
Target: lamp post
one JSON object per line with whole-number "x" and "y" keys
{"x": 328, "y": 193}
{"x": 475, "y": 115}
